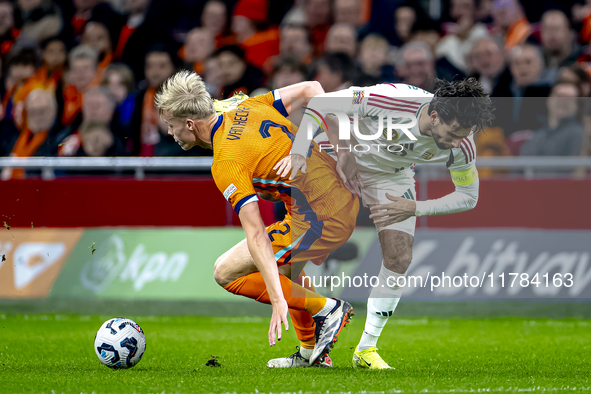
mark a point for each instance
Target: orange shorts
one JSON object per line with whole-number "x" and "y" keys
{"x": 295, "y": 239}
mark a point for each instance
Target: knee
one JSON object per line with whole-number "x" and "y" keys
{"x": 220, "y": 274}
{"x": 398, "y": 262}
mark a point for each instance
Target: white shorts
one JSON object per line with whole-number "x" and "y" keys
{"x": 377, "y": 184}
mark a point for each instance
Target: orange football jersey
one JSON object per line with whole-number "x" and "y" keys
{"x": 249, "y": 140}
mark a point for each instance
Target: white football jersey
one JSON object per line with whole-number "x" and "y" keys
{"x": 405, "y": 103}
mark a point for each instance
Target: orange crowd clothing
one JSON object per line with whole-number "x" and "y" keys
{"x": 72, "y": 104}
{"x": 198, "y": 67}
{"x": 517, "y": 33}
{"x": 585, "y": 34}
{"x": 8, "y": 41}
{"x": 42, "y": 79}
{"x": 126, "y": 32}
{"x": 101, "y": 67}
{"x": 25, "y": 146}
{"x": 248, "y": 142}
{"x": 261, "y": 46}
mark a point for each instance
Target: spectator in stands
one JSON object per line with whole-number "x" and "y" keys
{"x": 96, "y": 35}
{"x": 318, "y": 19}
{"x": 8, "y": 32}
{"x": 118, "y": 78}
{"x": 416, "y": 66}
{"x": 82, "y": 14}
{"x": 140, "y": 30}
{"x": 249, "y": 23}
{"x": 199, "y": 44}
{"x": 98, "y": 107}
{"x": 35, "y": 140}
{"x": 526, "y": 69}
{"x": 372, "y": 60}
{"x": 335, "y": 72}
{"x": 213, "y": 77}
{"x": 576, "y": 75}
{"x": 487, "y": 62}
{"x": 288, "y": 73}
{"x": 563, "y": 133}
{"x": 98, "y": 141}
{"x": 215, "y": 19}
{"x": 138, "y": 116}
{"x": 404, "y": 18}
{"x": 294, "y": 44}
{"x": 41, "y": 19}
{"x": 557, "y": 40}
{"x": 341, "y": 38}
{"x": 83, "y": 62}
{"x": 236, "y": 74}
{"x": 461, "y": 35}
{"x": 348, "y": 12}
{"x": 21, "y": 67}
{"x": 510, "y": 20}
{"x": 48, "y": 77}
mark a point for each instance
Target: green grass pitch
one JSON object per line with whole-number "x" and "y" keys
{"x": 43, "y": 353}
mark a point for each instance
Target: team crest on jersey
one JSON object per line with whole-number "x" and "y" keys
{"x": 427, "y": 155}
{"x": 357, "y": 96}
{"x": 395, "y": 134}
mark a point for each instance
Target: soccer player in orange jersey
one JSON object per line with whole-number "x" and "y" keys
{"x": 248, "y": 144}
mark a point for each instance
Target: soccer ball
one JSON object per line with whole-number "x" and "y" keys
{"x": 120, "y": 343}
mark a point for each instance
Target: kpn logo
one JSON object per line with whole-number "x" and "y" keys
{"x": 385, "y": 129}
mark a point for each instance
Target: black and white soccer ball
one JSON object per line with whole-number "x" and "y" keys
{"x": 120, "y": 343}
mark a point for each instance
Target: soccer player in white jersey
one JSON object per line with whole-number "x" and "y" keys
{"x": 443, "y": 129}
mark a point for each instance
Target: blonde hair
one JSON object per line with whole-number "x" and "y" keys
{"x": 183, "y": 96}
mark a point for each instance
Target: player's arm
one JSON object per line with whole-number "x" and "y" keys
{"x": 463, "y": 198}
{"x": 464, "y": 175}
{"x": 261, "y": 251}
{"x": 298, "y": 95}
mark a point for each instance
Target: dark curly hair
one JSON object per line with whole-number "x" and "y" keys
{"x": 463, "y": 100}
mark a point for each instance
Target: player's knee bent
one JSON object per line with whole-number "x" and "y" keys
{"x": 398, "y": 262}
{"x": 220, "y": 274}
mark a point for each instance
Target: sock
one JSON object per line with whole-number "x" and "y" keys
{"x": 380, "y": 306}
{"x": 330, "y": 303}
{"x": 297, "y": 297}
{"x": 367, "y": 341}
{"x": 302, "y": 321}
{"x": 306, "y": 353}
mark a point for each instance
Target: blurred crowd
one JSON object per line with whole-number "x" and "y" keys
{"x": 79, "y": 76}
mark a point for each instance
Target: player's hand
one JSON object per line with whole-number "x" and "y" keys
{"x": 279, "y": 317}
{"x": 298, "y": 163}
{"x": 398, "y": 211}
{"x": 349, "y": 173}
{"x": 283, "y": 167}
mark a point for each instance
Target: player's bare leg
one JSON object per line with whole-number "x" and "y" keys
{"x": 236, "y": 272}
{"x": 397, "y": 255}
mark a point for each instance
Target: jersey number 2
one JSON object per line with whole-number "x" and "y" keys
{"x": 267, "y": 124}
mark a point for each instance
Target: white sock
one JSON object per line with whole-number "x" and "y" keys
{"x": 306, "y": 353}
{"x": 330, "y": 303}
{"x": 367, "y": 341}
{"x": 380, "y": 306}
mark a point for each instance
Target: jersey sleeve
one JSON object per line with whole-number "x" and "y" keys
{"x": 363, "y": 102}
{"x": 273, "y": 99}
{"x": 462, "y": 163}
{"x": 234, "y": 180}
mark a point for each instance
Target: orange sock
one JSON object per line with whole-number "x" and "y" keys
{"x": 297, "y": 297}
{"x": 302, "y": 321}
